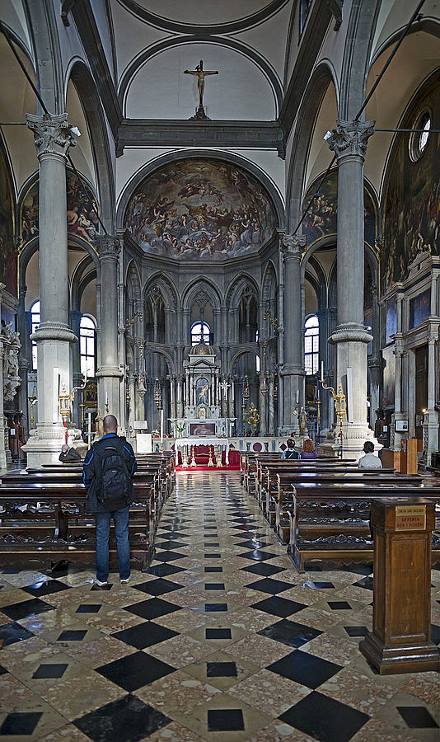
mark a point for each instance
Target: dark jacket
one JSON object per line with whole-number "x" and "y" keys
{"x": 90, "y": 474}
{"x": 70, "y": 457}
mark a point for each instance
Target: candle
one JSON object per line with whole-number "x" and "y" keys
{"x": 322, "y": 371}
{"x": 297, "y": 396}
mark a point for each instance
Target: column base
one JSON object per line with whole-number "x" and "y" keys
{"x": 44, "y": 445}
{"x": 424, "y": 657}
{"x": 354, "y": 437}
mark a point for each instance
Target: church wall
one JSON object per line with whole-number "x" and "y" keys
{"x": 99, "y": 9}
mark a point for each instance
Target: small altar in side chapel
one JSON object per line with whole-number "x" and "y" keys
{"x": 202, "y": 435}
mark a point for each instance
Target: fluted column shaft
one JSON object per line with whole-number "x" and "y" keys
{"x": 293, "y": 366}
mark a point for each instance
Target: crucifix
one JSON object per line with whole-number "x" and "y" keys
{"x": 200, "y": 73}
{"x": 224, "y": 386}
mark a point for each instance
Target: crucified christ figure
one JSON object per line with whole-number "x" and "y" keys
{"x": 200, "y": 73}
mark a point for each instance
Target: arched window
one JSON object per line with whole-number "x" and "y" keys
{"x": 35, "y": 321}
{"x": 311, "y": 345}
{"x": 87, "y": 346}
{"x": 419, "y": 138}
{"x": 200, "y": 333}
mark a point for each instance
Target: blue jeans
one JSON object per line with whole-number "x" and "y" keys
{"x": 122, "y": 544}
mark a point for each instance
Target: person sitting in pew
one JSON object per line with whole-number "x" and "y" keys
{"x": 290, "y": 452}
{"x": 69, "y": 455}
{"x": 369, "y": 461}
{"x": 308, "y": 451}
{"x": 108, "y": 473}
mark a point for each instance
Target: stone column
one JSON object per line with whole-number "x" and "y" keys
{"x": 109, "y": 374}
{"x": 179, "y": 397}
{"x": 432, "y": 416}
{"x": 271, "y": 405}
{"x": 2, "y": 416}
{"x": 262, "y": 404}
{"x": 293, "y": 366}
{"x": 75, "y": 321}
{"x": 53, "y": 337}
{"x": 349, "y": 142}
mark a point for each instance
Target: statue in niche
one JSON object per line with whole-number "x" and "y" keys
{"x": 201, "y": 413}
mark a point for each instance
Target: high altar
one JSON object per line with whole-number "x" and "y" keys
{"x": 206, "y": 399}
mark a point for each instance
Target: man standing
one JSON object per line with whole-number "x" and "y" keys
{"x": 108, "y": 472}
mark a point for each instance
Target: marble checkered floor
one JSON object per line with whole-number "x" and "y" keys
{"x": 221, "y": 640}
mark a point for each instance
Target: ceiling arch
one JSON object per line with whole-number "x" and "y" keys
{"x": 170, "y": 17}
{"x": 197, "y": 43}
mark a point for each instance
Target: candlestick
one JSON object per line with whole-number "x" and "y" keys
{"x": 322, "y": 371}
{"x": 297, "y": 396}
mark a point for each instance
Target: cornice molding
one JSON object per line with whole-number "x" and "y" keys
{"x": 178, "y": 133}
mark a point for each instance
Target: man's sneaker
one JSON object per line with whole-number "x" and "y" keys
{"x": 124, "y": 582}
{"x": 100, "y": 584}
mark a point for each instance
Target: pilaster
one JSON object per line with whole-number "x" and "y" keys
{"x": 109, "y": 373}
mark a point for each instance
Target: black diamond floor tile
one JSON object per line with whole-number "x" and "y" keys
{"x": 20, "y": 723}
{"x": 339, "y": 605}
{"x": 249, "y": 544}
{"x": 125, "y": 720}
{"x": 262, "y": 569}
{"x": 165, "y": 570}
{"x": 135, "y": 671}
{"x": 273, "y": 587}
{"x": 257, "y": 555}
{"x": 213, "y": 569}
{"x": 319, "y": 585}
{"x": 214, "y": 586}
{"x": 212, "y": 544}
{"x": 417, "y": 717}
{"x": 166, "y": 545}
{"x": 89, "y": 608}
{"x": 218, "y": 634}
{"x": 152, "y": 608}
{"x": 27, "y": 608}
{"x": 216, "y": 607}
{"x": 324, "y": 719}
{"x": 3, "y": 670}
{"x": 225, "y": 720}
{"x": 213, "y": 556}
{"x": 305, "y": 668}
{"x": 72, "y": 635}
{"x": 158, "y": 587}
{"x": 50, "y": 671}
{"x": 277, "y": 606}
{"x": 145, "y": 635}
{"x": 366, "y": 582}
{"x": 355, "y": 631}
{"x": 435, "y": 633}
{"x": 221, "y": 670}
{"x": 169, "y": 556}
{"x": 46, "y": 587}
{"x": 290, "y": 633}
{"x": 13, "y": 632}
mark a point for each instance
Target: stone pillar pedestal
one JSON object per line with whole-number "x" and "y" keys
{"x": 292, "y": 370}
{"x": 349, "y": 142}
{"x": 53, "y": 336}
{"x": 109, "y": 373}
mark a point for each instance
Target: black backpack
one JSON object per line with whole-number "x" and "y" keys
{"x": 114, "y": 484}
{"x": 291, "y": 454}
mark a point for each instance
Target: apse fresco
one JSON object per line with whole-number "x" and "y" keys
{"x": 200, "y": 208}
{"x": 321, "y": 220}
{"x": 82, "y": 219}
{"x": 8, "y": 252}
{"x": 411, "y": 219}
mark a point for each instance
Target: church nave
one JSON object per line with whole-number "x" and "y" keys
{"x": 220, "y": 640}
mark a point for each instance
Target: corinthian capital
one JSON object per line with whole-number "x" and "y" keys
{"x": 293, "y": 245}
{"x": 351, "y": 137}
{"x": 108, "y": 246}
{"x": 52, "y": 134}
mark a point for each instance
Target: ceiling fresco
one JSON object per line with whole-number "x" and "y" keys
{"x": 200, "y": 208}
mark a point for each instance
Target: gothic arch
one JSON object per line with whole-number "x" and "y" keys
{"x": 201, "y": 285}
{"x": 269, "y": 283}
{"x": 166, "y": 287}
{"x": 236, "y": 288}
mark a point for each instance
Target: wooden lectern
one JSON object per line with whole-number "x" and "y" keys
{"x": 401, "y": 636}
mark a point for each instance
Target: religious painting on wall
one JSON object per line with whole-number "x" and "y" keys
{"x": 202, "y": 429}
{"x": 82, "y": 211}
{"x": 411, "y": 215}
{"x": 390, "y": 320}
{"x": 200, "y": 208}
{"x": 8, "y": 252}
{"x": 419, "y": 309}
{"x": 321, "y": 219}
{"x": 202, "y": 391}
{"x": 389, "y": 377}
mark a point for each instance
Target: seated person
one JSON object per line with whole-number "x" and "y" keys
{"x": 369, "y": 461}
{"x": 290, "y": 452}
{"x": 308, "y": 451}
{"x": 69, "y": 455}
